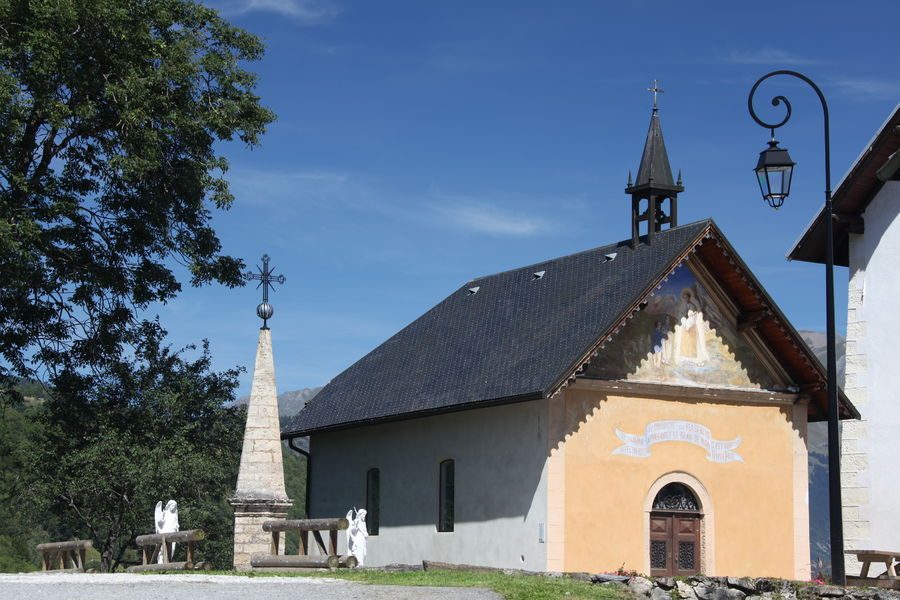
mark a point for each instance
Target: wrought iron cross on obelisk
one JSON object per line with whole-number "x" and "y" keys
{"x": 265, "y": 278}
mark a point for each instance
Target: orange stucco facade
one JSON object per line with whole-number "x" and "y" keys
{"x": 754, "y": 501}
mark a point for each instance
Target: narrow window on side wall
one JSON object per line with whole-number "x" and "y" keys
{"x": 373, "y": 500}
{"x": 446, "y": 497}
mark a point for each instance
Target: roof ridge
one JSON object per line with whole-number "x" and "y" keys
{"x": 588, "y": 251}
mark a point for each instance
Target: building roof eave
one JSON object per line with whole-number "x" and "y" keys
{"x": 852, "y": 195}
{"x": 289, "y": 434}
{"x": 777, "y": 324}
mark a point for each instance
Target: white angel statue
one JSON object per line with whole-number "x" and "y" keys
{"x": 166, "y": 522}
{"x": 357, "y": 535}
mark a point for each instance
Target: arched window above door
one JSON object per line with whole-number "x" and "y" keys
{"x": 676, "y": 496}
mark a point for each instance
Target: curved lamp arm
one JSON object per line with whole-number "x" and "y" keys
{"x": 778, "y": 100}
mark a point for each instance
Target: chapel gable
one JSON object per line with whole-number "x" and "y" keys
{"x": 684, "y": 335}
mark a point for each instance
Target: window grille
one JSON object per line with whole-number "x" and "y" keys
{"x": 373, "y": 500}
{"x": 446, "y": 496}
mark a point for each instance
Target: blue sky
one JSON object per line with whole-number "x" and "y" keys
{"x": 421, "y": 144}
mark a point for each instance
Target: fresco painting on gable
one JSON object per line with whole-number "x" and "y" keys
{"x": 681, "y": 337}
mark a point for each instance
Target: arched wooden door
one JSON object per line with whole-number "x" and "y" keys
{"x": 675, "y": 532}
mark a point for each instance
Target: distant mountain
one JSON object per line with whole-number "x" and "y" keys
{"x": 819, "y": 536}
{"x": 33, "y": 392}
{"x": 289, "y": 403}
{"x": 819, "y": 541}
{"x": 816, "y": 341}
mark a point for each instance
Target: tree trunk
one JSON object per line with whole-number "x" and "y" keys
{"x": 106, "y": 560}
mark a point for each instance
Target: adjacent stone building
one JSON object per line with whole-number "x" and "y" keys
{"x": 641, "y": 405}
{"x": 867, "y": 241}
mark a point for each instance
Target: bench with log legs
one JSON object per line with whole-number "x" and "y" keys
{"x": 64, "y": 556}
{"x": 155, "y": 544}
{"x": 328, "y": 558}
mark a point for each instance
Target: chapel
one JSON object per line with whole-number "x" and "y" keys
{"x": 639, "y": 406}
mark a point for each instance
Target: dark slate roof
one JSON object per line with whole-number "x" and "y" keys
{"x": 654, "y": 169}
{"x": 516, "y": 338}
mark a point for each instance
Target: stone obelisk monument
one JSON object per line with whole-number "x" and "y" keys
{"x": 260, "y": 494}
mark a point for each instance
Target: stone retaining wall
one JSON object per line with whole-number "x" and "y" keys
{"x": 694, "y": 587}
{"x": 739, "y": 588}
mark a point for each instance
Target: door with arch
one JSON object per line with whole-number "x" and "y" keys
{"x": 675, "y": 532}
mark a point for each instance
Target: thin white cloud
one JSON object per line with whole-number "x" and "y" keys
{"x": 290, "y": 191}
{"x": 862, "y": 89}
{"x": 767, "y": 56}
{"x": 308, "y": 12}
{"x": 486, "y": 218}
{"x": 276, "y": 187}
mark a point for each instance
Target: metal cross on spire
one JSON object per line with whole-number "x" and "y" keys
{"x": 265, "y": 278}
{"x": 656, "y": 91}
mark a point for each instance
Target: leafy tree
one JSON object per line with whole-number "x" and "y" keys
{"x": 111, "y": 114}
{"x": 153, "y": 427}
{"x": 110, "y": 111}
{"x": 295, "y": 485}
{"x": 18, "y": 533}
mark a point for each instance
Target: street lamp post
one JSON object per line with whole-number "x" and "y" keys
{"x": 774, "y": 171}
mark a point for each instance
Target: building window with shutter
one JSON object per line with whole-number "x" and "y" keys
{"x": 373, "y": 500}
{"x": 446, "y": 496}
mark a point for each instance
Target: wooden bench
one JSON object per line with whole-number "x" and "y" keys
{"x": 64, "y": 556}
{"x": 328, "y": 558}
{"x": 888, "y": 579}
{"x": 155, "y": 543}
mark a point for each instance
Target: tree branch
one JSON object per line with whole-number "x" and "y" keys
{"x": 50, "y": 152}
{"x": 26, "y": 151}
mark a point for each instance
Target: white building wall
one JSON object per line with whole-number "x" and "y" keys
{"x": 500, "y": 456}
{"x": 870, "y": 447}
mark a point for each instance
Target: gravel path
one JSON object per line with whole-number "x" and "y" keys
{"x": 123, "y": 586}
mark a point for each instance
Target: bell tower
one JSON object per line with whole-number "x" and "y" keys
{"x": 654, "y": 185}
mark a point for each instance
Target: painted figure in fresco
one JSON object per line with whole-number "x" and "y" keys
{"x": 660, "y": 343}
{"x": 665, "y": 347}
{"x": 690, "y": 337}
{"x": 656, "y": 339}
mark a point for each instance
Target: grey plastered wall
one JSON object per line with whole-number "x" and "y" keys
{"x": 501, "y": 485}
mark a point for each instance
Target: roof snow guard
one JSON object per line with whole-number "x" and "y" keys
{"x": 516, "y": 341}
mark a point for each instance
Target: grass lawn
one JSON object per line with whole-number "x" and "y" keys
{"x": 511, "y": 587}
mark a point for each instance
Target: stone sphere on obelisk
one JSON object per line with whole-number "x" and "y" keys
{"x": 260, "y": 494}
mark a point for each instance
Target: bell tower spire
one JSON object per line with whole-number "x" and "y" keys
{"x": 654, "y": 184}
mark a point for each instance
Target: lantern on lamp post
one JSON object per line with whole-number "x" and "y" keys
{"x": 773, "y": 172}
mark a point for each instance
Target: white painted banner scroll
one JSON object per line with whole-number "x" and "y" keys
{"x": 720, "y": 451}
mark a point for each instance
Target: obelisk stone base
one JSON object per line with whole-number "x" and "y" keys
{"x": 249, "y": 537}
